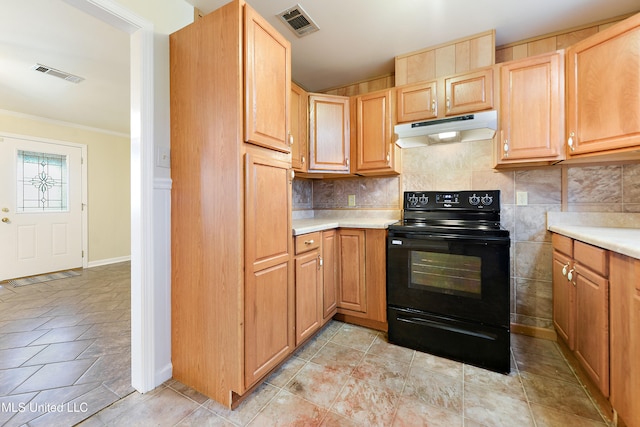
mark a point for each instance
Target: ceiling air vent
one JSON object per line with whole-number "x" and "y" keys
{"x": 298, "y": 21}
{"x": 57, "y": 73}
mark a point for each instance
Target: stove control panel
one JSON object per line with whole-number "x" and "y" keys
{"x": 461, "y": 200}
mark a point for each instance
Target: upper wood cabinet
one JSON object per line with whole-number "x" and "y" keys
{"x": 375, "y": 150}
{"x": 603, "y": 91}
{"x": 458, "y": 56}
{"x": 417, "y": 102}
{"x": 447, "y": 96}
{"x": 329, "y": 134}
{"x": 299, "y": 128}
{"x": 531, "y": 110}
{"x": 267, "y": 83}
{"x": 469, "y": 92}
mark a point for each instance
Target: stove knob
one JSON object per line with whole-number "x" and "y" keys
{"x": 413, "y": 200}
{"x": 474, "y": 200}
{"x": 424, "y": 200}
{"x": 487, "y": 199}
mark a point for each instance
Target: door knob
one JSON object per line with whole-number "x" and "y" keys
{"x": 5, "y": 219}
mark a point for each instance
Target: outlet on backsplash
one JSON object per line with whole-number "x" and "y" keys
{"x": 522, "y": 198}
{"x": 352, "y": 199}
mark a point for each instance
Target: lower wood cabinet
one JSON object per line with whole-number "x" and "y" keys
{"x": 564, "y": 316}
{"x": 592, "y": 312}
{"x": 362, "y": 277}
{"x": 316, "y": 284}
{"x": 308, "y": 267}
{"x": 624, "y": 281}
{"x": 351, "y": 263}
{"x": 581, "y": 305}
{"x": 330, "y": 274}
{"x": 268, "y": 290}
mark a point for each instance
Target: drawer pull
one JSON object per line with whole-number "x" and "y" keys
{"x": 309, "y": 242}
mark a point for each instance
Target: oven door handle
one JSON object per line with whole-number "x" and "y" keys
{"x": 436, "y": 245}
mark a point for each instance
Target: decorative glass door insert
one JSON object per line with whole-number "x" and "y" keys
{"x": 42, "y": 182}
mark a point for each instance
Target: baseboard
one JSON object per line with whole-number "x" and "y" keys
{"x": 164, "y": 374}
{"x": 534, "y": 331}
{"x": 108, "y": 261}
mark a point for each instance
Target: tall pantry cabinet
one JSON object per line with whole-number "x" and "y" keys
{"x": 232, "y": 280}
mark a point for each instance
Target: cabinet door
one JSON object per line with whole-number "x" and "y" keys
{"x": 268, "y": 289}
{"x": 308, "y": 295}
{"x": 374, "y": 132}
{"x": 267, "y": 83}
{"x": 299, "y": 128}
{"x": 592, "y": 326}
{"x": 532, "y": 109}
{"x": 603, "y": 90}
{"x": 468, "y": 93}
{"x": 329, "y": 133}
{"x": 417, "y": 102}
{"x": 351, "y": 270}
{"x": 563, "y": 298}
{"x": 330, "y": 274}
{"x": 624, "y": 283}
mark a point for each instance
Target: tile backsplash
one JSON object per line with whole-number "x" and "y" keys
{"x": 469, "y": 166}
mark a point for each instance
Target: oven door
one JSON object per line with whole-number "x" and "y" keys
{"x": 463, "y": 277}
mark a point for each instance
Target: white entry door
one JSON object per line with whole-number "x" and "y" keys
{"x": 40, "y": 207}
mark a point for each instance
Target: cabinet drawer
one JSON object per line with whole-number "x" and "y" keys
{"x": 307, "y": 242}
{"x": 562, "y": 244}
{"x": 591, "y": 257}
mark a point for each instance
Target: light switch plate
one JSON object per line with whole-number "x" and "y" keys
{"x": 522, "y": 198}
{"x": 163, "y": 157}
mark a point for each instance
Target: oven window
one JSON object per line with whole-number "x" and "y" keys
{"x": 446, "y": 273}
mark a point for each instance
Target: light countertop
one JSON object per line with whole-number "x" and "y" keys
{"x": 309, "y": 225}
{"x": 622, "y": 240}
{"x": 615, "y": 232}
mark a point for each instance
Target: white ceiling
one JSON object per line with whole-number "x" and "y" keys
{"x": 358, "y": 39}
{"x": 53, "y": 33}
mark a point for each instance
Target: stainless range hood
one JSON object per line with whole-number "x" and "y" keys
{"x": 468, "y": 127}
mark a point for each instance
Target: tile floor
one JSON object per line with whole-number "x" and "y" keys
{"x": 65, "y": 343}
{"x": 65, "y": 346}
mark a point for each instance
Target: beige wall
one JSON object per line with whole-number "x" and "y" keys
{"x": 108, "y": 181}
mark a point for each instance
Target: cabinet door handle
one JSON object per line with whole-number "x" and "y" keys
{"x": 433, "y": 106}
{"x": 319, "y": 262}
{"x": 506, "y": 148}
{"x": 303, "y": 160}
{"x": 570, "y": 141}
{"x": 570, "y": 276}
{"x": 347, "y": 160}
{"x": 388, "y": 158}
{"x": 290, "y": 139}
{"x": 564, "y": 269}
{"x": 448, "y": 104}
